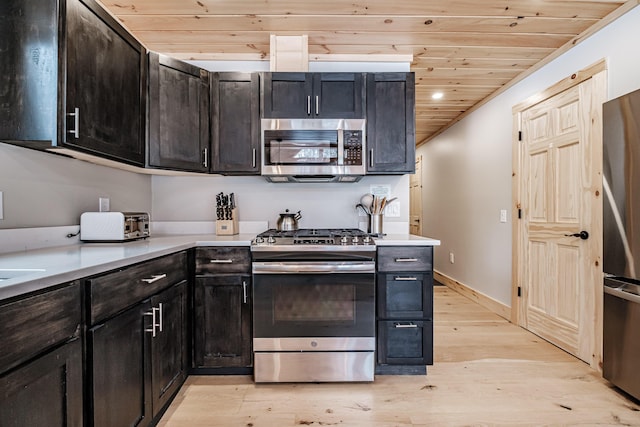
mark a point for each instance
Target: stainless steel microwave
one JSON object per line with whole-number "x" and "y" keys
{"x": 313, "y": 150}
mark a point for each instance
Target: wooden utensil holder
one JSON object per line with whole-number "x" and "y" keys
{"x": 228, "y": 227}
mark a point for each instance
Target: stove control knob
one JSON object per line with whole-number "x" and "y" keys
{"x": 259, "y": 239}
{"x": 271, "y": 239}
{"x": 366, "y": 239}
{"x": 355, "y": 240}
{"x": 344, "y": 240}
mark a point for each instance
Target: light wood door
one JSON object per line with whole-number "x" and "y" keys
{"x": 415, "y": 199}
{"x": 561, "y": 273}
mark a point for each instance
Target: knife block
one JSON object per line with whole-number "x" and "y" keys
{"x": 228, "y": 227}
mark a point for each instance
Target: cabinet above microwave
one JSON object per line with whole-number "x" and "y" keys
{"x": 313, "y": 95}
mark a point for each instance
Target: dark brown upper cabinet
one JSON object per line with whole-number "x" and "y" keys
{"x": 178, "y": 137}
{"x": 313, "y": 95}
{"x": 235, "y": 119}
{"x": 391, "y": 137}
{"x": 83, "y": 85}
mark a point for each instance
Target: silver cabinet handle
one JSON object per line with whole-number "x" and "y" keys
{"x": 308, "y": 105}
{"x": 160, "y": 316}
{"x": 205, "y": 158}
{"x": 371, "y": 158}
{"x": 405, "y": 325}
{"x": 244, "y": 291}
{"x": 155, "y": 278}
{"x": 405, "y": 279}
{"x": 76, "y": 123}
{"x": 406, "y": 259}
{"x": 154, "y": 323}
{"x": 317, "y": 105}
{"x": 253, "y": 161}
{"x": 221, "y": 261}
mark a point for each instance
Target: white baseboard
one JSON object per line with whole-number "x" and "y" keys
{"x": 497, "y": 307}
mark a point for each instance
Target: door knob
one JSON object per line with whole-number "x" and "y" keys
{"x": 583, "y": 235}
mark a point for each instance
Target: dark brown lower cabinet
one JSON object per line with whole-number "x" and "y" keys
{"x": 404, "y": 309}
{"x": 45, "y": 392}
{"x": 222, "y": 323}
{"x": 120, "y": 375}
{"x": 169, "y": 349}
{"x": 138, "y": 360}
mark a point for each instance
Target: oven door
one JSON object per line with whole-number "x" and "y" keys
{"x": 332, "y": 302}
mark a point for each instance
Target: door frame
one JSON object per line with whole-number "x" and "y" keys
{"x": 517, "y": 271}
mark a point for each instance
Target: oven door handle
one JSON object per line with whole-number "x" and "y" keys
{"x": 313, "y": 268}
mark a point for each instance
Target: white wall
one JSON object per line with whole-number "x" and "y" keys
{"x": 467, "y": 169}
{"x": 45, "y": 190}
{"x": 322, "y": 205}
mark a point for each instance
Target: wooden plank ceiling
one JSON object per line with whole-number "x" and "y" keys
{"x": 466, "y": 49}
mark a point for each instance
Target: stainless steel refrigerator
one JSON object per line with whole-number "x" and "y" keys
{"x": 621, "y": 184}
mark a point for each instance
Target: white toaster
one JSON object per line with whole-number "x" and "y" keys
{"x": 113, "y": 226}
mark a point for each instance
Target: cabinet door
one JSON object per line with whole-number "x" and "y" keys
{"x": 104, "y": 84}
{"x": 287, "y": 95}
{"x": 391, "y": 138}
{"x": 178, "y": 115}
{"x": 46, "y": 392}
{"x": 119, "y": 370}
{"x": 338, "y": 95}
{"x": 405, "y": 296}
{"x": 405, "y": 342}
{"x": 222, "y": 330}
{"x": 169, "y": 346}
{"x": 235, "y": 118}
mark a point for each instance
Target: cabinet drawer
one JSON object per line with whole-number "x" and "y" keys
{"x": 405, "y": 258}
{"x": 232, "y": 259}
{"x": 115, "y": 291}
{"x": 31, "y": 325}
{"x": 405, "y": 296}
{"x": 405, "y": 342}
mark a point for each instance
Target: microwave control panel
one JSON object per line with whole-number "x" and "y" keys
{"x": 353, "y": 147}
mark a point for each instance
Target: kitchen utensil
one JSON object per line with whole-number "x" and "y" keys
{"x": 365, "y": 210}
{"x": 367, "y": 201}
{"x": 288, "y": 221}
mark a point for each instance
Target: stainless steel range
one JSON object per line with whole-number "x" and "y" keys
{"x": 313, "y": 305}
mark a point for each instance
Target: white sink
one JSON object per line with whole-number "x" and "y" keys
{"x": 12, "y": 273}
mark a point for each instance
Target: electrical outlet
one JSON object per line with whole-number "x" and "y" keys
{"x": 103, "y": 204}
{"x": 1, "y": 207}
{"x": 503, "y": 215}
{"x": 451, "y": 258}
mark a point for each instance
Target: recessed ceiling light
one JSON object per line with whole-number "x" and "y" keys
{"x": 437, "y": 95}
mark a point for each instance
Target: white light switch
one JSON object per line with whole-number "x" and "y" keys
{"x": 1, "y": 207}
{"x": 503, "y": 215}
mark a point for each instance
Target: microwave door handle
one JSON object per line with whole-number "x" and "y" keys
{"x": 340, "y": 147}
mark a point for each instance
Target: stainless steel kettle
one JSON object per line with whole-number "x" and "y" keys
{"x": 288, "y": 221}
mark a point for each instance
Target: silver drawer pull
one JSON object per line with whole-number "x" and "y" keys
{"x": 221, "y": 261}
{"x": 155, "y": 278}
{"x": 405, "y": 279}
{"x": 406, "y": 259}
{"x": 160, "y": 315}
{"x": 405, "y": 325}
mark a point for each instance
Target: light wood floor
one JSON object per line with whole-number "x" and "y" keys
{"x": 487, "y": 372}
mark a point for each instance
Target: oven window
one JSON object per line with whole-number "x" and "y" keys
{"x": 314, "y": 303}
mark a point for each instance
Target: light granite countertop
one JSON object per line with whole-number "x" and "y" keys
{"x": 33, "y": 270}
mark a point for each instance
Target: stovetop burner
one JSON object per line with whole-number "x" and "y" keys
{"x": 320, "y": 238}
